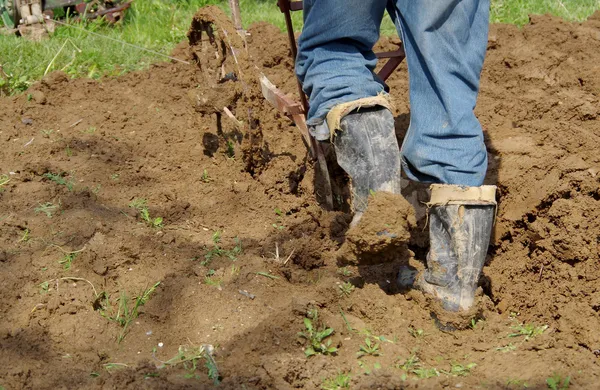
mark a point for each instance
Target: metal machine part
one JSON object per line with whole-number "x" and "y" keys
{"x": 15, "y": 13}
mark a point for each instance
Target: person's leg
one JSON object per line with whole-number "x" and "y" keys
{"x": 445, "y": 43}
{"x": 335, "y": 60}
{"x": 335, "y": 65}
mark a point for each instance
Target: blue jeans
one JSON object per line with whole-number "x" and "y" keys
{"x": 445, "y": 43}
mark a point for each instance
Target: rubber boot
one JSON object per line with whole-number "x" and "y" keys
{"x": 367, "y": 150}
{"x": 460, "y": 226}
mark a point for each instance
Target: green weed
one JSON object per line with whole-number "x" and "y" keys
{"x": 517, "y": 382}
{"x": 346, "y": 289}
{"x": 4, "y": 179}
{"x": 59, "y": 179}
{"x": 67, "y": 260}
{"x": 190, "y": 358}
{"x": 369, "y": 348}
{"x": 267, "y": 275}
{"x": 344, "y": 271}
{"x": 127, "y": 311}
{"x": 205, "y": 178}
{"x": 115, "y": 366}
{"x": 141, "y": 206}
{"x": 475, "y": 323}
{"x": 556, "y": 382}
{"x": 458, "y": 369}
{"x": 529, "y": 331}
{"x": 316, "y": 333}
{"x": 46, "y": 208}
{"x": 218, "y": 251}
{"x": 367, "y": 370}
{"x": 44, "y": 287}
{"x": 507, "y": 348}
{"x": 416, "y": 333}
{"x": 25, "y": 237}
{"x": 409, "y": 364}
{"x": 46, "y": 133}
{"x": 89, "y": 130}
{"x": 413, "y": 366}
{"x": 114, "y": 176}
{"x": 230, "y": 153}
{"x": 211, "y": 280}
{"x": 340, "y": 381}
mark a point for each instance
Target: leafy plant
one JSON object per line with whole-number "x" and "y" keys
{"x": 517, "y": 382}
{"x": 25, "y": 237}
{"x": 507, "y": 348}
{"x": 556, "y": 382}
{"x": 344, "y": 271}
{"x": 190, "y": 358}
{"x": 141, "y": 206}
{"x": 67, "y": 260}
{"x": 46, "y": 208}
{"x": 369, "y": 348}
{"x": 89, "y": 130}
{"x": 316, "y": 335}
{"x": 230, "y": 149}
{"x": 217, "y": 251}
{"x": 115, "y": 366}
{"x": 458, "y": 369}
{"x": 340, "y": 381}
{"x": 346, "y": 289}
{"x": 205, "y": 178}
{"x": 416, "y": 333}
{"x": 211, "y": 280}
{"x": 413, "y": 366}
{"x": 59, "y": 179}
{"x": 528, "y": 330}
{"x": 44, "y": 286}
{"x": 4, "y": 179}
{"x": 127, "y": 311}
{"x": 426, "y": 373}
{"x": 409, "y": 364}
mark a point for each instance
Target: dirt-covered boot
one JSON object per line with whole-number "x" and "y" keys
{"x": 367, "y": 150}
{"x": 460, "y": 226}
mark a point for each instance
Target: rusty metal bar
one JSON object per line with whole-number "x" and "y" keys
{"x": 284, "y": 6}
{"x": 296, "y": 5}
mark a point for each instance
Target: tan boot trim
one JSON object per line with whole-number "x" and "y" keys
{"x": 443, "y": 194}
{"x": 335, "y": 115}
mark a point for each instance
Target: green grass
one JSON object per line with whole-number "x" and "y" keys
{"x": 160, "y": 24}
{"x": 126, "y": 311}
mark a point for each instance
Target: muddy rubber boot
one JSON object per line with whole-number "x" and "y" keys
{"x": 460, "y": 226}
{"x": 367, "y": 150}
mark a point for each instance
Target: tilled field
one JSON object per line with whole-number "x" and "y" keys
{"x": 231, "y": 229}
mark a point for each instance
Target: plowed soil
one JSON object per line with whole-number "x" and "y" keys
{"x": 71, "y": 246}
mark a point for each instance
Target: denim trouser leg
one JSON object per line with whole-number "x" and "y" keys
{"x": 335, "y": 53}
{"x": 445, "y": 43}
